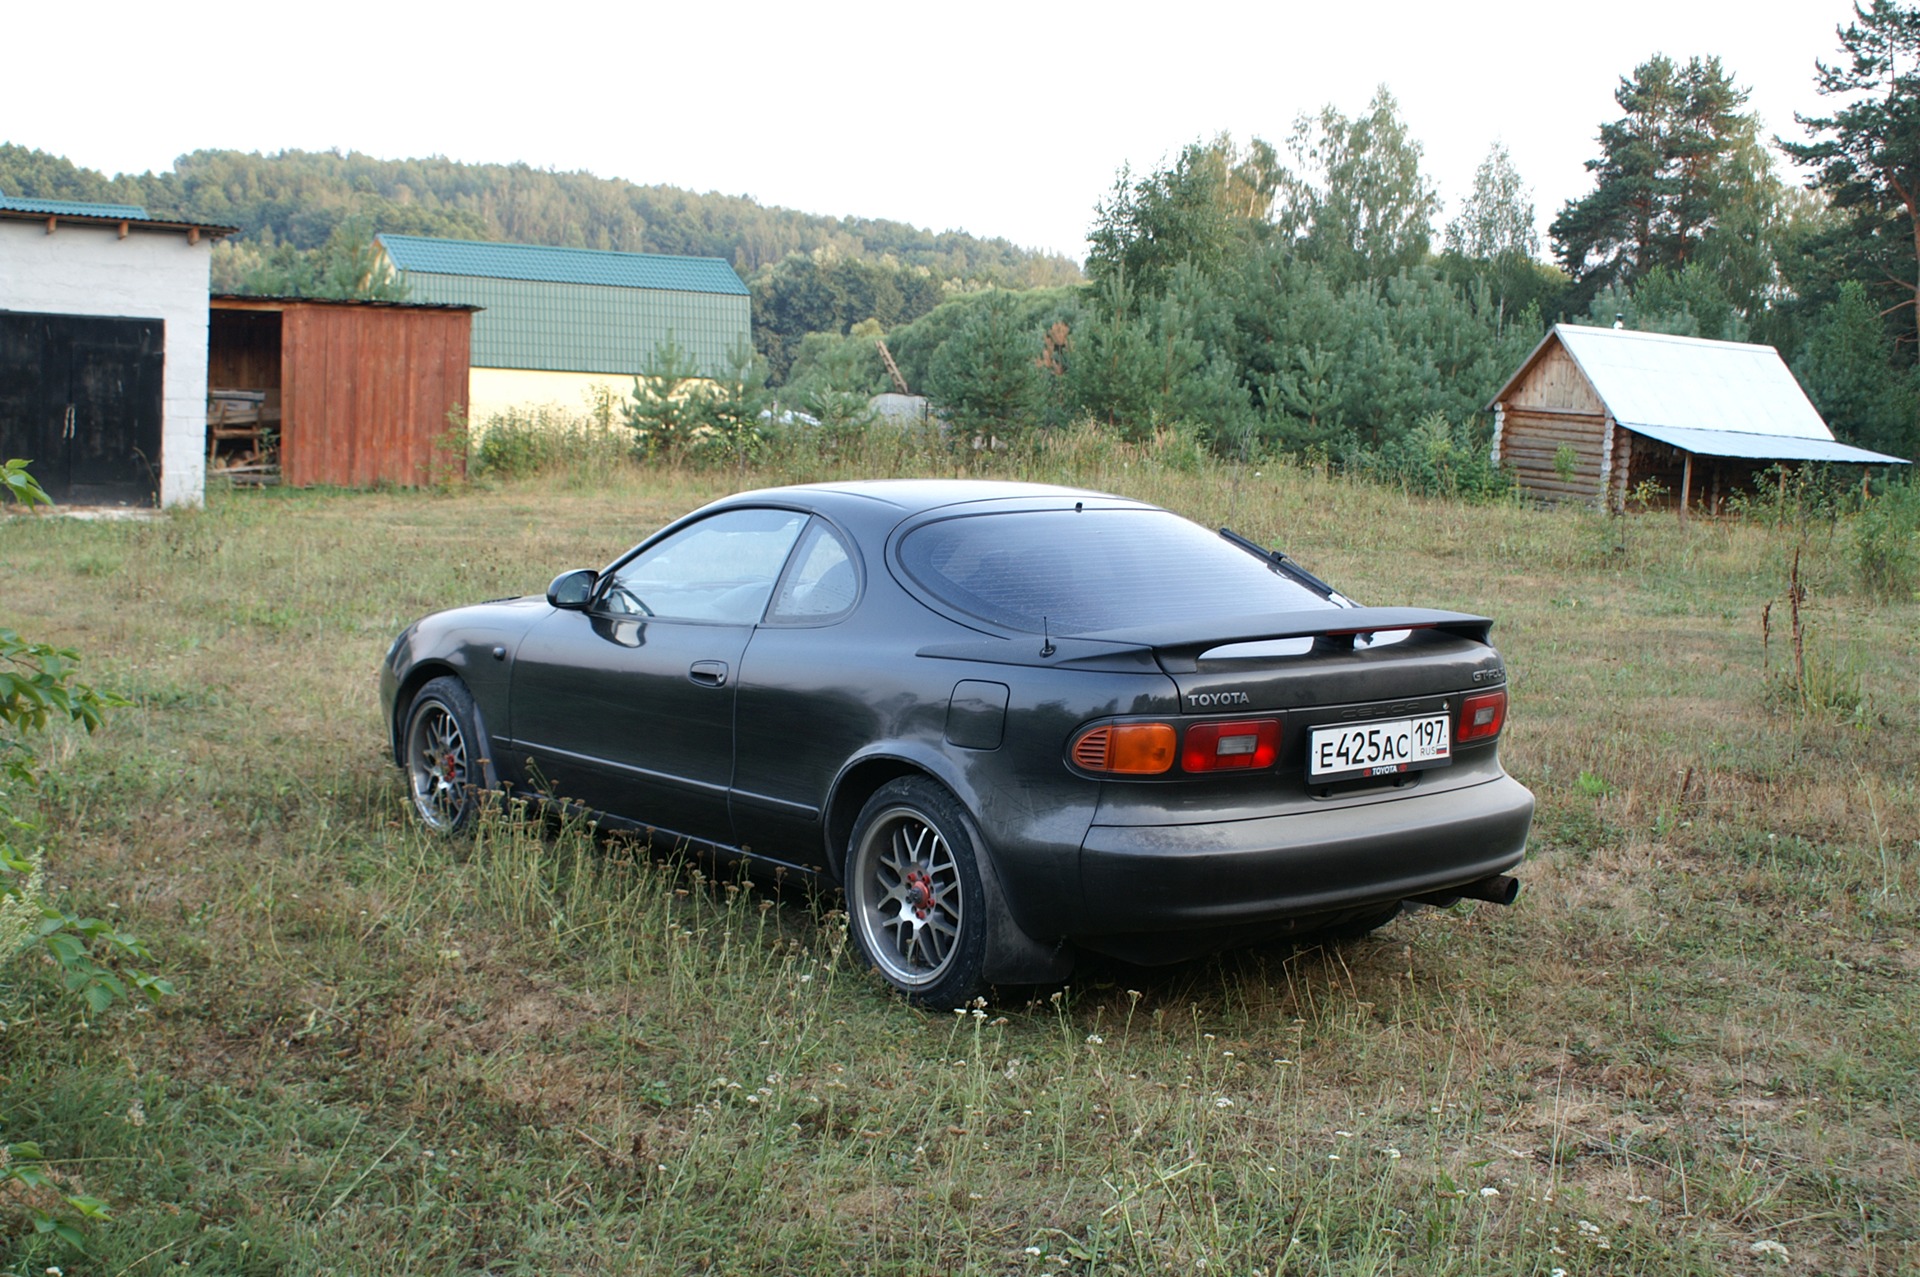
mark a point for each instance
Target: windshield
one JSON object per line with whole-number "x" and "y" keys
{"x": 1080, "y": 571}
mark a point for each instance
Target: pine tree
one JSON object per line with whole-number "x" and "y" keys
{"x": 1866, "y": 155}
{"x": 1848, "y": 372}
{"x": 987, "y": 377}
{"x": 1680, "y": 176}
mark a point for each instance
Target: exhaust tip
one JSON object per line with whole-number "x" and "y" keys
{"x": 1500, "y": 889}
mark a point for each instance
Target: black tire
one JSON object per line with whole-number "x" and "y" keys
{"x": 440, "y": 752}
{"x": 914, "y": 900}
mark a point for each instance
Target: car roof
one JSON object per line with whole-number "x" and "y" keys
{"x": 914, "y": 496}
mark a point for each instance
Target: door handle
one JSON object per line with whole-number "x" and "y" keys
{"x": 67, "y": 427}
{"x": 709, "y": 673}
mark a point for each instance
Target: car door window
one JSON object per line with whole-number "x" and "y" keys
{"x": 720, "y": 569}
{"x": 822, "y": 583}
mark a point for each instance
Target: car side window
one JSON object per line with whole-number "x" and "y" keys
{"x": 822, "y": 582}
{"x": 722, "y": 568}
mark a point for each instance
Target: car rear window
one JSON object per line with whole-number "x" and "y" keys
{"x": 1080, "y": 571}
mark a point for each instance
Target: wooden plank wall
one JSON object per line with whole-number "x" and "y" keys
{"x": 366, "y": 391}
{"x": 243, "y": 349}
{"x": 1554, "y": 405}
{"x": 1530, "y": 441}
{"x": 1556, "y": 384}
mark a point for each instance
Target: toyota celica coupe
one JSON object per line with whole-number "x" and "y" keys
{"x": 1011, "y": 721}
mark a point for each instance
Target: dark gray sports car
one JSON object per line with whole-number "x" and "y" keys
{"x": 1010, "y": 720}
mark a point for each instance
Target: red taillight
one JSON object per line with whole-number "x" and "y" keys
{"x": 1481, "y": 716}
{"x": 1246, "y": 743}
{"x": 1126, "y": 749}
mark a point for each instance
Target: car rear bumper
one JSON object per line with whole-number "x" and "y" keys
{"x": 1144, "y": 878}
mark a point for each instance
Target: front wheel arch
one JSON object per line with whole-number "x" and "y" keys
{"x": 403, "y": 697}
{"x": 443, "y": 754}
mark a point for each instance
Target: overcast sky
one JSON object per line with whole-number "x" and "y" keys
{"x": 994, "y": 118}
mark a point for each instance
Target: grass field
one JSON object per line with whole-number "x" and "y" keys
{"x": 1690, "y": 1047}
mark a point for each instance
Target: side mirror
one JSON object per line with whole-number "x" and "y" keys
{"x": 572, "y": 590}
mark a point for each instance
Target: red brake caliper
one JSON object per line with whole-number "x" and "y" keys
{"x": 921, "y": 887}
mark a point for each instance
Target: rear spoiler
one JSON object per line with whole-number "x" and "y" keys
{"x": 1178, "y": 645}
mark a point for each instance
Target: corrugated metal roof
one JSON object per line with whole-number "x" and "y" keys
{"x": 1733, "y": 443}
{"x": 1689, "y": 383}
{"x": 16, "y": 209}
{"x": 419, "y": 254}
{"x": 75, "y": 208}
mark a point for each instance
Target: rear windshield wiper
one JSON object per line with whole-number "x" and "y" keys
{"x": 1280, "y": 563}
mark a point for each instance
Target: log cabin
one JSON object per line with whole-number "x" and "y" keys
{"x": 1597, "y": 416}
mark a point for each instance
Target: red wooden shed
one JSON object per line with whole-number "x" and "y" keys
{"x": 356, "y": 393}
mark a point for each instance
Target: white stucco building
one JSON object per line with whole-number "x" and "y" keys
{"x": 103, "y": 350}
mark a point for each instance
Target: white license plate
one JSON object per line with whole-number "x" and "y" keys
{"x": 1379, "y": 749}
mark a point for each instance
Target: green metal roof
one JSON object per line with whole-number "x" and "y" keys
{"x": 421, "y": 255}
{"x": 74, "y": 208}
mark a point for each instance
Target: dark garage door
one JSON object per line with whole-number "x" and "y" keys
{"x": 80, "y": 397}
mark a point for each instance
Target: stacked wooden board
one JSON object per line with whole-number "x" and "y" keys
{"x": 243, "y": 435}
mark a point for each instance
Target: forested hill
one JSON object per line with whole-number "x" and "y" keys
{"x": 298, "y": 198}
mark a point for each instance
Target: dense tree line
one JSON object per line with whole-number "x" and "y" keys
{"x": 301, "y": 197}
{"x": 1299, "y": 296}
{"x": 1294, "y": 297}
{"x": 294, "y": 208}
{"x": 1260, "y": 297}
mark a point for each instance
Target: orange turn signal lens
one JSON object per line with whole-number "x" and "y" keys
{"x": 1126, "y": 749}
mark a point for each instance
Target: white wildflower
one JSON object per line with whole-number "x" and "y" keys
{"x": 20, "y": 914}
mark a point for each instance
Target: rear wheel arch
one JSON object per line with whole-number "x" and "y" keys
{"x": 1012, "y": 956}
{"x": 850, "y": 794}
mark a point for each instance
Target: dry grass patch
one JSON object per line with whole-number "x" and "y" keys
{"x": 535, "y": 1051}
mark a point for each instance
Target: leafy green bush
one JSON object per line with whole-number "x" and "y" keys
{"x": 1795, "y": 496}
{"x": 535, "y": 441}
{"x": 1886, "y": 542}
{"x": 1436, "y": 459}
